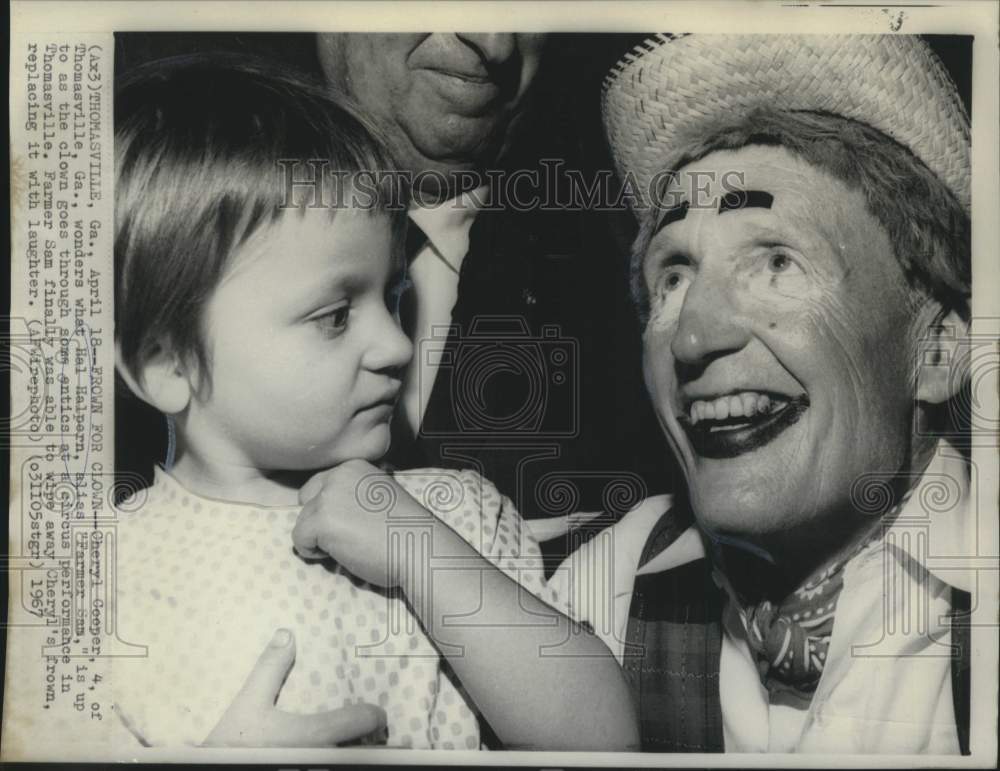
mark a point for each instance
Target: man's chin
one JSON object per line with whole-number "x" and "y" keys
{"x": 469, "y": 142}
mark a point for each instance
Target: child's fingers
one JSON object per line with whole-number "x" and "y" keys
{"x": 326, "y": 729}
{"x": 265, "y": 680}
{"x": 305, "y": 534}
{"x": 313, "y": 487}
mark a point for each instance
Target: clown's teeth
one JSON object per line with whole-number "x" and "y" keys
{"x": 745, "y": 404}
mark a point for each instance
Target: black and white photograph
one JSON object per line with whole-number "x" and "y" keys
{"x": 592, "y": 394}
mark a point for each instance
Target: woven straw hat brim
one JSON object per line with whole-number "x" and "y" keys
{"x": 676, "y": 86}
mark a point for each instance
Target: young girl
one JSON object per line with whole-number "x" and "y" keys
{"x": 255, "y": 309}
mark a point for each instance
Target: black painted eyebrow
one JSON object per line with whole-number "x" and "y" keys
{"x": 744, "y": 199}
{"x": 673, "y": 214}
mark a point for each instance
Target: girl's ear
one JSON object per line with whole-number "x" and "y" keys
{"x": 162, "y": 380}
{"x": 939, "y": 374}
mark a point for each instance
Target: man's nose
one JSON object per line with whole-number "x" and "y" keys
{"x": 493, "y": 48}
{"x": 711, "y": 323}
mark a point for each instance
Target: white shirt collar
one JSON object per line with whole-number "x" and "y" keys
{"x": 938, "y": 508}
{"x": 447, "y": 224}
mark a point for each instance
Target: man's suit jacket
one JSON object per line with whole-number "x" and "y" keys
{"x": 539, "y": 386}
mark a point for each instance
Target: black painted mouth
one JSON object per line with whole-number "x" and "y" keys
{"x": 736, "y": 436}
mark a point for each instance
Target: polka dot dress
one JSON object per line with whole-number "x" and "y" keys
{"x": 204, "y": 584}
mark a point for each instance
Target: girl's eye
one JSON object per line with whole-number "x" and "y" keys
{"x": 334, "y": 321}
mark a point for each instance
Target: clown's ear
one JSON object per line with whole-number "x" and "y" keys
{"x": 940, "y": 374}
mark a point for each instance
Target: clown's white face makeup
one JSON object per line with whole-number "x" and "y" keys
{"x": 779, "y": 350}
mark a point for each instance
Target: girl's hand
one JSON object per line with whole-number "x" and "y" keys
{"x": 252, "y": 720}
{"x": 354, "y": 513}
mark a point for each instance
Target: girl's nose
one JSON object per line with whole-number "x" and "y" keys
{"x": 389, "y": 348}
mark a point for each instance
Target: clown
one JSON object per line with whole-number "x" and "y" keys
{"x": 802, "y": 275}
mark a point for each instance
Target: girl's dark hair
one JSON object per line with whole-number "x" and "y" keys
{"x": 198, "y": 140}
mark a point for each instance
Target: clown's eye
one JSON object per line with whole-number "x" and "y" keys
{"x": 780, "y": 266}
{"x": 779, "y": 263}
{"x": 670, "y": 290}
{"x": 672, "y": 281}
{"x": 778, "y": 270}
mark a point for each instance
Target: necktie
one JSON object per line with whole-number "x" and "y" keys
{"x": 435, "y": 290}
{"x": 416, "y": 239}
{"x": 401, "y": 450}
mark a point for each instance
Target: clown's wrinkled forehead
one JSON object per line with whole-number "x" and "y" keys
{"x": 927, "y": 227}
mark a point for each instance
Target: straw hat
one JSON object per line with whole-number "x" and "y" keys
{"x": 672, "y": 86}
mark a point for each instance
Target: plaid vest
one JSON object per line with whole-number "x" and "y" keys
{"x": 673, "y": 645}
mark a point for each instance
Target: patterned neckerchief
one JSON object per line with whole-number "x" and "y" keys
{"x": 789, "y": 638}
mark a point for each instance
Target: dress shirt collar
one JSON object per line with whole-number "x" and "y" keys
{"x": 447, "y": 224}
{"x": 938, "y": 508}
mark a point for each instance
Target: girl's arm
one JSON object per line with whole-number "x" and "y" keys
{"x": 541, "y": 681}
